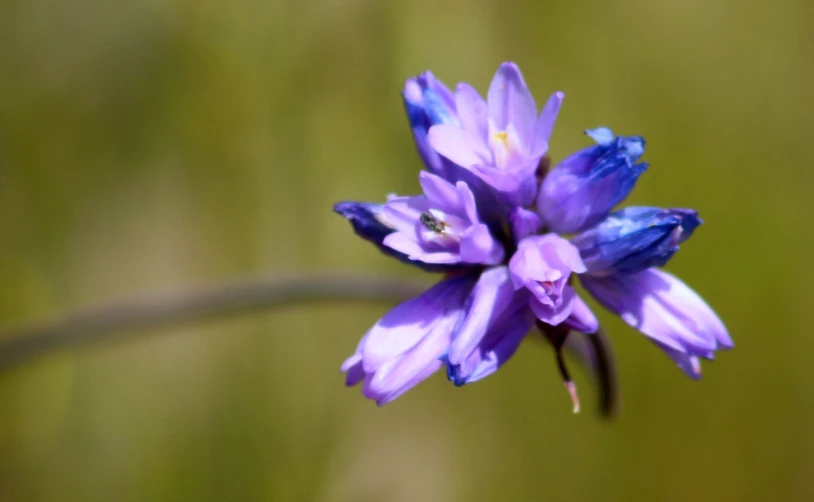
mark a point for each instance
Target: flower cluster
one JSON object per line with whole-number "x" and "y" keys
{"x": 509, "y": 235}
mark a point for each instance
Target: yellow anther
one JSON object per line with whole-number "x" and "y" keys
{"x": 503, "y": 137}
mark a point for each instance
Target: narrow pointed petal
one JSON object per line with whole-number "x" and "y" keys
{"x": 472, "y": 110}
{"x": 492, "y": 295}
{"x": 441, "y": 194}
{"x": 545, "y": 123}
{"x": 466, "y": 200}
{"x": 511, "y": 102}
{"x": 412, "y": 249}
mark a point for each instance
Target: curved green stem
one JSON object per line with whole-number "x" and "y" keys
{"x": 127, "y": 317}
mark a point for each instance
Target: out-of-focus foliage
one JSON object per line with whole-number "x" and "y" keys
{"x": 153, "y": 146}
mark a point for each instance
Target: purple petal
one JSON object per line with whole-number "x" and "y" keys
{"x": 458, "y": 145}
{"x": 527, "y": 264}
{"x": 409, "y": 323}
{"x": 441, "y": 194}
{"x": 399, "y": 375}
{"x": 497, "y": 347}
{"x": 503, "y": 181}
{"x": 466, "y": 201}
{"x": 383, "y": 394}
{"x": 401, "y": 213}
{"x": 545, "y": 123}
{"x": 688, "y": 363}
{"x": 352, "y": 366}
{"x": 554, "y": 315}
{"x": 569, "y": 255}
{"x": 524, "y": 223}
{"x": 478, "y": 246}
{"x": 492, "y": 295}
{"x": 511, "y": 102}
{"x": 581, "y": 318}
{"x": 686, "y": 302}
{"x": 661, "y": 307}
{"x": 354, "y": 373}
{"x": 404, "y": 244}
{"x": 472, "y": 110}
{"x": 441, "y": 89}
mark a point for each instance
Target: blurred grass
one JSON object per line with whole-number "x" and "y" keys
{"x": 157, "y": 145}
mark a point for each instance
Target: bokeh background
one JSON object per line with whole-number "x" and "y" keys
{"x": 158, "y": 146}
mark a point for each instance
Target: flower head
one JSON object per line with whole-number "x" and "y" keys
{"x": 583, "y": 188}
{"x": 507, "y": 268}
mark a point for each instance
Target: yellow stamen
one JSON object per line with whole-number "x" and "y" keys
{"x": 503, "y": 137}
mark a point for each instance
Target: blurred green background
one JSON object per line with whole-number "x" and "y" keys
{"x": 157, "y": 146}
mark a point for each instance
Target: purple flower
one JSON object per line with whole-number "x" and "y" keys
{"x": 441, "y": 226}
{"x": 583, "y": 188}
{"x": 635, "y": 239}
{"x": 506, "y": 267}
{"x": 543, "y": 265}
{"x": 667, "y": 311}
{"x": 501, "y": 139}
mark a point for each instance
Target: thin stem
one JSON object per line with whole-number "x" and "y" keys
{"x": 594, "y": 352}
{"x": 136, "y": 316}
{"x": 605, "y": 373}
